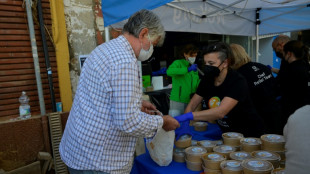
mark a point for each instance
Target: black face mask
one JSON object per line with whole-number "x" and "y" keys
{"x": 280, "y": 55}
{"x": 211, "y": 71}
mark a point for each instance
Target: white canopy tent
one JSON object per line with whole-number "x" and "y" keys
{"x": 228, "y": 17}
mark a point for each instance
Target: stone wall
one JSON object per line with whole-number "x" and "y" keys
{"x": 84, "y": 24}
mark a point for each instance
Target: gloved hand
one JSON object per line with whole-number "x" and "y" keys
{"x": 270, "y": 67}
{"x": 162, "y": 71}
{"x": 193, "y": 67}
{"x": 185, "y": 117}
{"x": 182, "y": 130}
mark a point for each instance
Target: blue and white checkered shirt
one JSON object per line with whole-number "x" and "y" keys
{"x": 105, "y": 119}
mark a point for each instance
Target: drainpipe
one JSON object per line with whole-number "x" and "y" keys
{"x": 46, "y": 56}
{"x": 257, "y": 33}
{"x": 35, "y": 56}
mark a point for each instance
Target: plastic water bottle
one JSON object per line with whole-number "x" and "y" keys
{"x": 24, "y": 108}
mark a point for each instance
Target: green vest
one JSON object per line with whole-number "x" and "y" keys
{"x": 184, "y": 83}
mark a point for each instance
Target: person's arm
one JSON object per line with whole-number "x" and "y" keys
{"x": 275, "y": 70}
{"x": 126, "y": 104}
{"x": 176, "y": 69}
{"x": 219, "y": 112}
{"x": 193, "y": 104}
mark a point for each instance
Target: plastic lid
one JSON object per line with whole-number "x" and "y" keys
{"x": 195, "y": 150}
{"x": 257, "y": 165}
{"x": 233, "y": 135}
{"x": 279, "y": 171}
{"x": 179, "y": 151}
{"x": 251, "y": 141}
{"x": 224, "y": 149}
{"x": 207, "y": 143}
{"x": 231, "y": 165}
{"x": 218, "y": 142}
{"x": 194, "y": 142}
{"x": 215, "y": 157}
{"x": 240, "y": 155}
{"x": 185, "y": 137}
{"x": 200, "y": 124}
{"x": 265, "y": 155}
{"x": 273, "y": 138}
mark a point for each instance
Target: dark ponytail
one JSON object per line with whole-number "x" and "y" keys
{"x": 300, "y": 50}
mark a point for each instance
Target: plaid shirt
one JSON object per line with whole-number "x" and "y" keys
{"x": 105, "y": 119}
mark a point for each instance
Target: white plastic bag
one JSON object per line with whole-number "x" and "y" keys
{"x": 161, "y": 147}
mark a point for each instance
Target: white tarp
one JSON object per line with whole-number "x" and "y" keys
{"x": 234, "y": 17}
{"x": 230, "y": 17}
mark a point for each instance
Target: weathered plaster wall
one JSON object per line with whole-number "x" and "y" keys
{"x": 81, "y": 22}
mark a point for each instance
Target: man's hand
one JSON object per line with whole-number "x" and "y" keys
{"x": 147, "y": 107}
{"x": 170, "y": 123}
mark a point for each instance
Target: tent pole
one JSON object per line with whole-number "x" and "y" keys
{"x": 257, "y": 31}
{"x": 257, "y": 43}
{"x": 106, "y": 34}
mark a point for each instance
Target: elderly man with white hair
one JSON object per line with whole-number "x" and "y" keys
{"x": 108, "y": 115}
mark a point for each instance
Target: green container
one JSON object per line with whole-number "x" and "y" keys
{"x": 146, "y": 80}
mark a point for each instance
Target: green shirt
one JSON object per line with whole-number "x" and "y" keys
{"x": 184, "y": 83}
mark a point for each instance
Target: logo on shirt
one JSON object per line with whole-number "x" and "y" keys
{"x": 223, "y": 122}
{"x": 255, "y": 68}
{"x": 214, "y": 102}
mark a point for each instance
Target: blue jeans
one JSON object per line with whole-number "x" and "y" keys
{"x": 73, "y": 171}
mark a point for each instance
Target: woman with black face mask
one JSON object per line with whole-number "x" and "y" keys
{"x": 227, "y": 96}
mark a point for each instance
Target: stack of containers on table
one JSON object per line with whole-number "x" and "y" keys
{"x": 234, "y": 154}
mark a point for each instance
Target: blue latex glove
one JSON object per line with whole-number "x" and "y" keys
{"x": 270, "y": 67}
{"x": 162, "y": 71}
{"x": 185, "y": 117}
{"x": 182, "y": 130}
{"x": 193, "y": 67}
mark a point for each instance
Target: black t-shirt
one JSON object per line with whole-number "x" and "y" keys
{"x": 279, "y": 79}
{"x": 261, "y": 85}
{"x": 294, "y": 86}
{"x": 243, "y": 118}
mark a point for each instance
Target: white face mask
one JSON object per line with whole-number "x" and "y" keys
{"x": 191, "y": 60}
{"x": 146, "y": 54}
